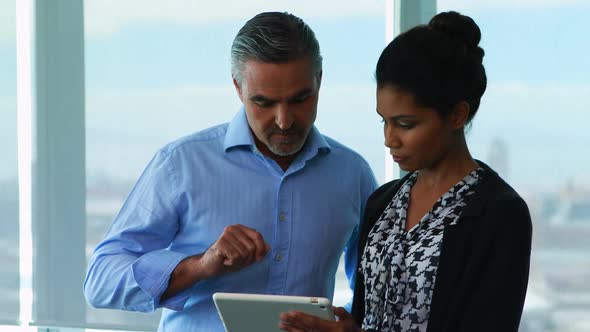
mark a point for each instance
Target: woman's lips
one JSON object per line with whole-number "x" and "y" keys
{"x": 397, "y": 158}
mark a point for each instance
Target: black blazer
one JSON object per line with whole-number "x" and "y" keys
{"x": 483, "y": 269}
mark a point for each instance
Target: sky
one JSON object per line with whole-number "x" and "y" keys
{"x": 156, "y": 71}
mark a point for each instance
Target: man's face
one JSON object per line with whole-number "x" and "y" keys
{"x": 281, "y": 103}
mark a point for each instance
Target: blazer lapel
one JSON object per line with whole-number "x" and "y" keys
{"x": 455, "y": 252}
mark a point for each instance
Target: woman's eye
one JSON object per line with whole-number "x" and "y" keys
{"x": 405, "y": 125}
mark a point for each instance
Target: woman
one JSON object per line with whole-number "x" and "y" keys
{"x": 447, "y": 247}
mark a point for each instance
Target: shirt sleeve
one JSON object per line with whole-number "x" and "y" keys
{"x": 368, "y": 186}
{"x": 131, "y": 267}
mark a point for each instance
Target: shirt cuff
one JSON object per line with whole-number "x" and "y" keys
{"x": 152, "y": 273}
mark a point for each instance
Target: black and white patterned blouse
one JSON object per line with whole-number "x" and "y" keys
{"x": 400, "y": 267}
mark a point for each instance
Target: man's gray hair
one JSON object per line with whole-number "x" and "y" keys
{"x": 274, "y": 37}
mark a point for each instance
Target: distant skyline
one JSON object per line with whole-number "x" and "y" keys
{"x": 168, "y": 65}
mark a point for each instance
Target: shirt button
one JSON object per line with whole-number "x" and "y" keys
{"x": 278, "y": 257}
{"x": 282, "y": 217}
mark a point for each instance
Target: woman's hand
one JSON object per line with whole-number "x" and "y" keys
{"x": 296, "y": 321}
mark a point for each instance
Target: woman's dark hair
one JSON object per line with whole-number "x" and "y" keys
{"x": 439, "y": 63}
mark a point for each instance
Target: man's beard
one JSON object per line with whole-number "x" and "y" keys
{"x": 295, "y": 142}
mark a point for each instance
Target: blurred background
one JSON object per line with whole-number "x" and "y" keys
{"x": 158, "y": 70}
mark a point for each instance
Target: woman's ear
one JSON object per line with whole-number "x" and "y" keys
{"x": 459, "y": 115}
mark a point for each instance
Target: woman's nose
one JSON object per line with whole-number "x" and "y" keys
{"x": 391, "y": 138}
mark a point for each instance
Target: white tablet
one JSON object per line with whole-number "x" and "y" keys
{"x": 256, "y": 312}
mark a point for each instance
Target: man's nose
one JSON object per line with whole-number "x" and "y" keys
{"x": 283, "y": 117}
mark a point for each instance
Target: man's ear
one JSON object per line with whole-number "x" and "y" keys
{"x": 238, "y": 88}
{"x": 460, "y": 115}
{"x": 319, "y": 78}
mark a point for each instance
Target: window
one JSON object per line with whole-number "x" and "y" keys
{"x": 150, "y": 80}
{"x": 532, "y": 128}
{"x": 9, "y": 221}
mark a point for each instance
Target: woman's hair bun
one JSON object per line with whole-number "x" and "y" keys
{"x": 457, "y": 26}
{"x": 440, "y": 63}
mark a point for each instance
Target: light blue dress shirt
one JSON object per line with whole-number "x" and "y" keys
{"x": 199, "y": 184}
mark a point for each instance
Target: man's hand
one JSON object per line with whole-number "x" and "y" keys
{"x": 237, "y": 247}
{"x": 296, "y": 321}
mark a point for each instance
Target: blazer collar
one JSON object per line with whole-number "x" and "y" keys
{"x": 488, "y": 185}
{"x": 477, "y": 202}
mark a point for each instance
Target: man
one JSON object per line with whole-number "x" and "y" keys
{"x": 263, "y": 204}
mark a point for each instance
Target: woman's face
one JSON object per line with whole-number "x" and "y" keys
{"x": 417, "y": 137}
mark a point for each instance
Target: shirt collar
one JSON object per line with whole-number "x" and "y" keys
{"x": 316, "y": 143}
{"x": 239, "y": 134}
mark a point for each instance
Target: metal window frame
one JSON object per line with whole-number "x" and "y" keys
{"x": 52, "y": 179}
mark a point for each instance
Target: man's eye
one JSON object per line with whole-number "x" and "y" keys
{"x": 300, "y": 100}
{"x": 263, "y": 104}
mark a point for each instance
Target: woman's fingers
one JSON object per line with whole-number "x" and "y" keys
{"x": 298, "y": 321}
